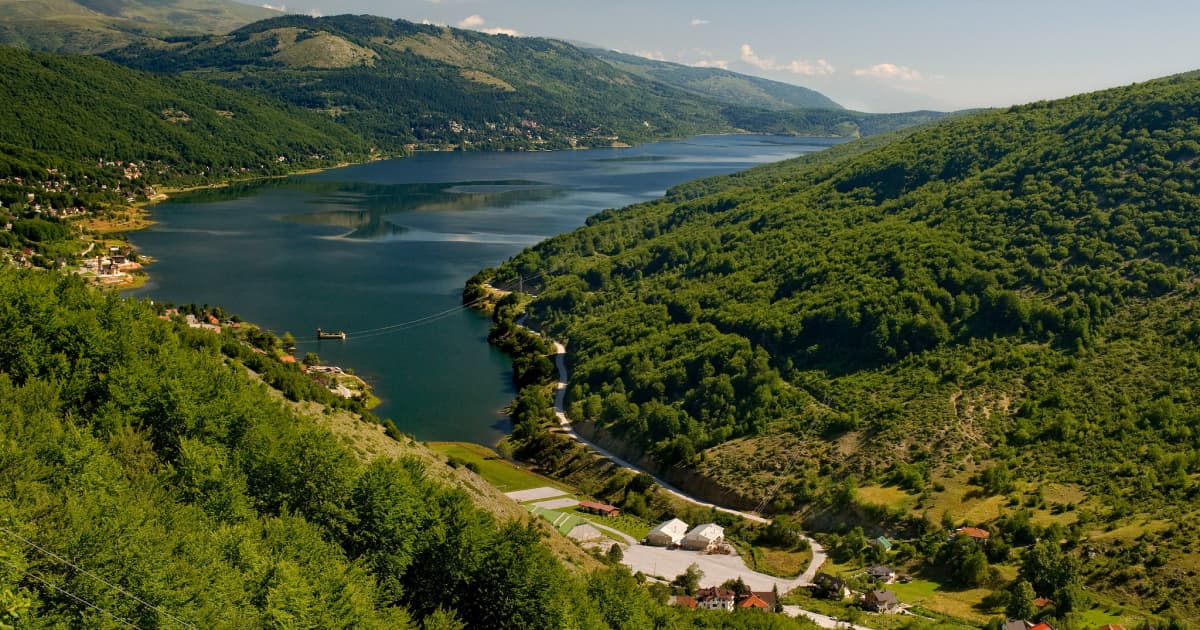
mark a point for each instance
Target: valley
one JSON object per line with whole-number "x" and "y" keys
{"x": 549, "y": 334}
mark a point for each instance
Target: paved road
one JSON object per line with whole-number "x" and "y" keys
{"x": 560, "y": 394}
{"x": 819, "y": 619}
{"x": 659, "y": 561}
{"x": 717, "y": 568}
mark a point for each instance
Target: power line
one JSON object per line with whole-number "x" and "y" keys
{"x": 70, "y": 594}
{"x": 97, "y": 578}
{"x": 420, "y": 321}
{"x": 433, "y": 316}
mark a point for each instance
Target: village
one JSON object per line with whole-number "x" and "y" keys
{"x": 337, "y": 380}
{"x": 704, "y": 570}
{"x": 55, "y": 221}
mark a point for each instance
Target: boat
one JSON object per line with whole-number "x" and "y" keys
{"x": 321, "y": 334}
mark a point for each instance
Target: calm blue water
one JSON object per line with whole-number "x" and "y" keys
{"x": 378, "y": 244}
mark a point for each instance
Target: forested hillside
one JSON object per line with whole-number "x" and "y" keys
{"x": 721, "y": 85}
{"x": 74, "y": 112}
{"x": 399, "y": 83}
{"x": 993, "y": 318}
{"x": 149, "y": 481}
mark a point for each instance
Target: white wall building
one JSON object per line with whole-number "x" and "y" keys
{"x": 704, "y": 536}
{"x": 667, "y": 534}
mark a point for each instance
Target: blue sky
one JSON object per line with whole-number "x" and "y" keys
{"x": 870, "y": 55}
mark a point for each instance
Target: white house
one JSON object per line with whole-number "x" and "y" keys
{"x": 667, "y": 534}
{"x": 704, "y": 536}
{"x": 715, "y": 598}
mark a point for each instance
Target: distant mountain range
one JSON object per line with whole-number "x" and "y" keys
{"x": 383, "y": 86}
{"x": 91, "y": 26}
{"x": 721, "y": 85}
{"x": 401, "y": 83}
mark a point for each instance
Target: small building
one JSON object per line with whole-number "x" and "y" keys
{"x": 830, "y": 587}
{"x": 287, "y": 358}
{"x": 882, "y": 574}
{"x": 980, "y": 536}
{"x": 704, "y": 537}
{"x": 683, "y": 601}
{"x": 716, "y": 598}
{"x": 600, "y": 509}
{"x": 881, "y": 601}
{"x": 667, "y": 533}
{"x": 1042, "y": 602}
{"x": 882, "y": 543}
{"x": 1018, "y": 624}
{"x": 758, "y": 600}
{"x": 584, "y": 532}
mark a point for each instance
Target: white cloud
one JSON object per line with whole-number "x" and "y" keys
{"x": 796, "y": 66}
{"x": 698, "y": 22}
{"x": 472, "y": 21}
{"x": 511, "y": 32}
{"x": 890, "y": 71}
{"x": 711, "y": 63}
{"x": 654, "y": 55}
{"x": 281, "y": 8}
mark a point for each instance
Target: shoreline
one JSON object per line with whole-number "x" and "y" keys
{"x": 143, "y": 208}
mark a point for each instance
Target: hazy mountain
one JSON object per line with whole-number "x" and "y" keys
{"x": 722, "y": 85}
{"x": 89, "y": 26}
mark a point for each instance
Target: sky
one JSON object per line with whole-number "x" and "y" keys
{"x": 868, "y": 55}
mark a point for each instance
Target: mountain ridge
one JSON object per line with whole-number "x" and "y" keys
{"x": 401, "y": 83}
{"x": 727, "y": 86}
{"x": 91, "y": 26}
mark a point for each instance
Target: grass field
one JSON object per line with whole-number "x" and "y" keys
{"x": 960, "y": 605}
{"x": 564, "y": 522}
{"x": 887, "y": 496}
{"x": 508, "y": 477}
{"x": 781, "y": 562}
{"x": 959, "y": 498}
{"x": 496, "y": 470}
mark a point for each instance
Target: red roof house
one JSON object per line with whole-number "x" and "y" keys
{"x": 979, "y": 535}
{"x": 754, "y": 601}
{"x": 602, "y": 509}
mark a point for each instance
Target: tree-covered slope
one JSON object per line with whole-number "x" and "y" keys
{"x": 402, "y": 83}
{"x": 1005, "y": 301}
{"x": 147, "y": 480}
{"x": 58, "y": 110}
{"x": 90, "y": 26}
{"x": 721, "y": 85}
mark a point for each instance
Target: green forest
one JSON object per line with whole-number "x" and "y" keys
{"x": 72, "y": 112}
{"x": 1003, "y": 304}
{"x": 149, "y": 480}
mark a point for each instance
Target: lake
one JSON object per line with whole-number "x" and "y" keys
{"x": 382, "y": 251}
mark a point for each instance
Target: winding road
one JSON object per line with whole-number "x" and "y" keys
{"x": 560, "y": 395}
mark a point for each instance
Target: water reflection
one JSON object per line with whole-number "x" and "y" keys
{"x": 366, "y": 209}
